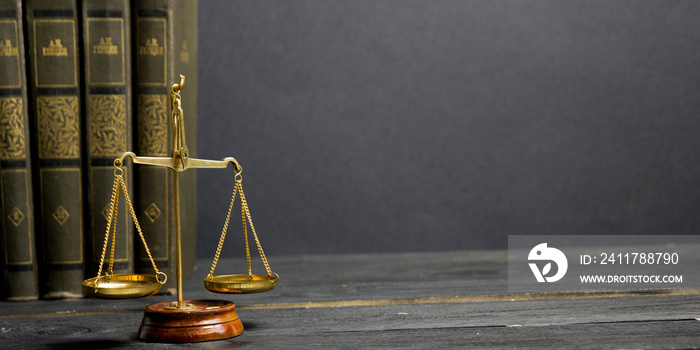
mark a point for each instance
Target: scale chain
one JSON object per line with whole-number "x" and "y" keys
{"x": 138, "y": 228}
{"x": 223, "y": 233}
{"x": 118, "y": 184}
{"x": 245, "y": 230}
{"x": 245, "y": 214}
{"x": 244, "y": 204}
{"x": 114, "y": 236}
{"x": 113, "y": 205}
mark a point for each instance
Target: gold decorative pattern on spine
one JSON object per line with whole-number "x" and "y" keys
{"x": 59, "y": 127}
{"x": 16, "y": 216}
{"x": 153, "y": 125}
{"x": 107, "y": 125}
{"x": 12, "y": 140}
{"x": 153, "y": 212}
{"x": 61, "y": 215}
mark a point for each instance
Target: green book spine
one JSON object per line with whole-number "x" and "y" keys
{"x": 54, "y": 78}
{"x": 19, "y": 263}
{"x": 106, "y": 29}
{"x": 157, "y": 48}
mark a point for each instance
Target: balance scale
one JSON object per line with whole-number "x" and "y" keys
{"x": 180, "y": 321}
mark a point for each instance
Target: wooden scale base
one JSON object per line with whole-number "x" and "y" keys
{"x": 199, "y": 320}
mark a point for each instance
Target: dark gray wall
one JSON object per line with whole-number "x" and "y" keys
{"x": 382, "y": 126}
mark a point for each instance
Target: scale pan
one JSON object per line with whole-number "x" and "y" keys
{"x": 121, "y": 286}
{"x": 241, "y": 284}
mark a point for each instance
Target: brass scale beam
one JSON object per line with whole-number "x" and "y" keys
{"x": 178, "y": 162}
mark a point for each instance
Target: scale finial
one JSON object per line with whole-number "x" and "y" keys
{"x": 180, "y": 84}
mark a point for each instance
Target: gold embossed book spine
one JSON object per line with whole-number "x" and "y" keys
{"x": 55, "y": 95}
{"x": 158, "y": 57}
{"x": 106, "y": 29}
{"x": 19, "y": 262}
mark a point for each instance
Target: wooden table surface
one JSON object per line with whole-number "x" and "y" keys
{"x": 404, "y": 300}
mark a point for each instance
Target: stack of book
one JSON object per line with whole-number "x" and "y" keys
{"x": 81, "y": 82}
